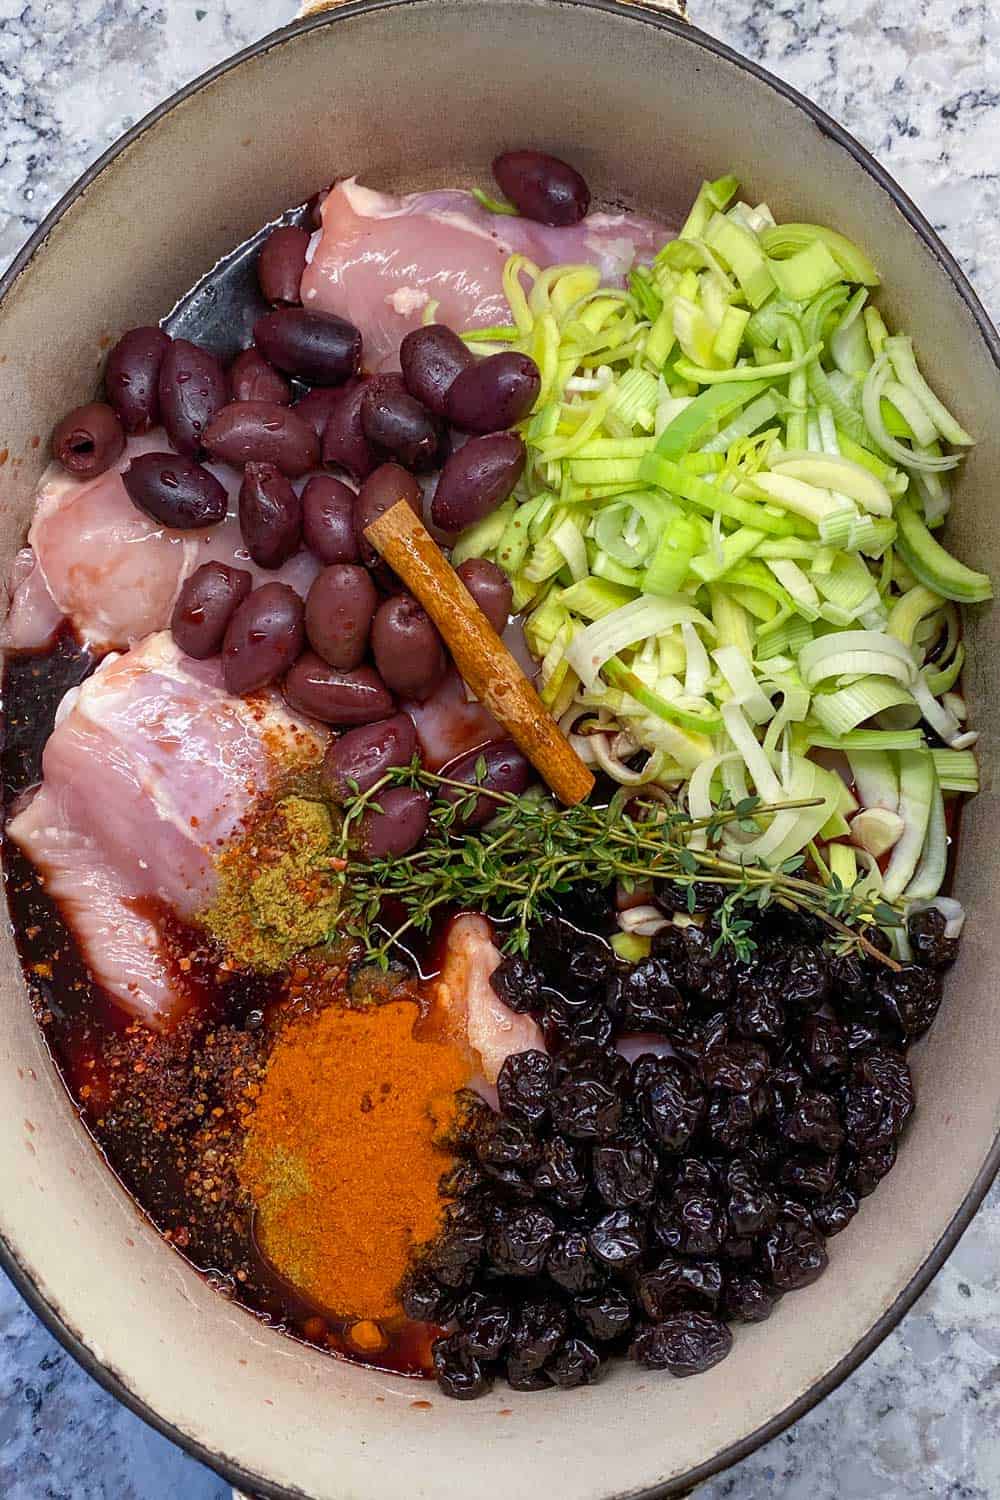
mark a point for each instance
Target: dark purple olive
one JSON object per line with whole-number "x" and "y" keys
{"x": 260, "y": 432}
{"x": 407, "y": 648}
{"x": 270, "y": 515}
{"x": 205, "y": 606}
{"x": 281, "y": 263}
{"x": 490, "y": 587}
{"x": 192, "y": 387}
{"x": 328, "y": 519}
{"x": 317, "y": 347}
{"x": 431, "y": 359}
{"x": 253, "y": 379}
{"x": 542, "y": 187}
{"x": 315, "y": 688}
{"x": 132, "y": 375}
{"x": 378, "y": 494}
{"x": 398, "y": 827}
{"x": 263, "y": 638}
{"x": 362, "y": 756}
{"x": 476, "y": 479}
{"x": 315, "y": 207}
{"x": 395, "y": 422}
{"x": 315, "y": 407}
{"x": 507, "y": 770}
{"x": 344, "y": 443}
{"x": 88, "y": 440}
{"x": 494, "y": 393}
{"x": 339, "y": 610}
{"x": 175, "y": 491}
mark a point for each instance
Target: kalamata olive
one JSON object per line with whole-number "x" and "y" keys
{"x": 344, "y": 443}
{"x": 362, "y": 756}
{"x": 476, "y": 479}
{"x": 507, "y": 770}
{"x": 132, "y": 375}
{"x": 253, "y": 379}
{"x": 263, "y": 638}
{"x": 281, "y": 263}
{"x": 318, "y": 347}
{"x": 490, "y": 587}
{"x": 339, "y": 609}
{"x": 270, "y": 515}
{"x": 315, "y": 207}
{"x": 395, "y": 422}
{"x": 260, "y": 432}
{"x": 191, "y": 388}
{"x": 205, "y": 606}
{"x": 378, "y": 494}
{"x": 88, "y": 440}
{"x": 398, "y": 827}
{"x": 315, "y": 407}
{"x": 431, "y": 359}
{"x": 542, "y": 187}
{"x": 328, "y": 519}
{"x": 407, "y": 649}
{"x": 494, "y": 393}
{"x": 323, "y": 692}
{"x": 175, "y": 491}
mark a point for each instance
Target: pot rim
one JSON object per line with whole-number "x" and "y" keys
{"x": 72, "y": 1341}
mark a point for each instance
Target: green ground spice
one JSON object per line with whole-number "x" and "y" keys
{"x": 276, "y": 895}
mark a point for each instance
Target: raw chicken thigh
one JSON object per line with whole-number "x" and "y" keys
{"x": 151, "y": 766}
{"x": 475, "y": 1011}
{"x": 380, "y": 260}
{"x": 113, "y": 571}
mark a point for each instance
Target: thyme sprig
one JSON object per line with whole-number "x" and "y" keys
{"x": 533, "y": 850}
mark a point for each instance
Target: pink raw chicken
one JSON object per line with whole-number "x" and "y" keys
{"x": 150, "y": 768}
{"x": 466, "y": 997}
{"x": 379, "y": 259}
{"x": 111, "y": 570}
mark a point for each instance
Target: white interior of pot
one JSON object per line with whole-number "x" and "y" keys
{"x": 409, "y": 95}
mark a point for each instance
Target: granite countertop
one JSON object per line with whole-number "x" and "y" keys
{"x": 919, "y": 82}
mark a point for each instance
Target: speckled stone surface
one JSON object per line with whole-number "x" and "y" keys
{"x": 919, "y": 82}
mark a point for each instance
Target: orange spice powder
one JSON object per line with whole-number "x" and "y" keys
{"x": 343, "y": 1157}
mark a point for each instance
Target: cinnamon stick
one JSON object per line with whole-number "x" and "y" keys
{"x": 480, "y": 655}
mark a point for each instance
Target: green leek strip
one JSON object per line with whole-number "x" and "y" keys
{"x": 603, "y": 566}
{"x": 908, "y": 611}
{"x": 702, "y": 418}
{"x": 871, "y": 406}
{"x": 802, "y": 276}
{"x": 894, "y": 480}
{"x": 850, "y": 422}
{"x": 709, "y": 566}
{"x": 593, "y": 598}
{"x": 928, "y": 877}
{"x": 957, "y": 770}
{"x": 712, "y": 197}
{"x": 630, "y": 947}
{"x": 512, "y": 547}
{"x": 928, "y": 561}
{"x": 621, "y": 676}
{"x": 636, "y": 621}
{"x": 702, "y": 375}
{"x": 741, "y": 251}
{"x": 790, "y": 636}
{"x": 843, "y": 862}
{"x": 871, "y": 739}
{"x": 604, "y": 471}
{"x": 710, "y": 498}
{"x": 731, "y": 620}
{"x": 669, "y": 564}
{"x": 900, "y": 352}
{"x": 801, "y": 499}
{"x": 917, "y": 783}
{"x": 729, "y": 336}
{"x": 944, "y": 680}
{"x": 841, "y": 711}
{"x": 785, "y": 240}
{"x": 849, "y": 344}
{"x": 754, "y": 416}
{"x": 830, "y": 471}
{"x": 480, "y": 538}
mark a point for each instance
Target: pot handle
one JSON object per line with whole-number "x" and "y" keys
{"x": 676, "y": 8}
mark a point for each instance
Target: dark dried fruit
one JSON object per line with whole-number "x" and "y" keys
{"x": 834, "y": 1213}
{"x": 424, "y": 1299}
{"x": 576, "y": 1363}
{"x": 813, "y": 1120}
{"x": 562, "y": 1172}
{"x": 625, "y": 1172}
{"x": 911, "y": 997}
{"x": 486, "y": 1322}
{"x": 671, "y": 1100}
{"x": 606, "y": 1315}
{"x": 588, "y": 1102}
{"x": 930, "y": 946}
{"x": 646, "y": 999}
{"x": 693, "y": 1222}
{"x": 751, "y": 1207}
{"x": 518, "y": 984}
{"x": 809, "y": 1174}
{"x": 539, "y": 1327}
{"x": 459, "y": 1373}
{"x": 806, "y": 983}
{"x": 824, "y": 1047}
{"x": 673, "y": 1285}
{"x": 873, "y": 1165}
{"x": 570, "y": 1264}
{"x": 748, "y": 1298}
{"x": 519, "y": 1242}
{"x": 793, "y": 1249}
{"x": 618, "y": 1239}
{"x": 737, "y": 1067}
{"x": 524, "y": 1088}
{"x": 685, "y": 1343}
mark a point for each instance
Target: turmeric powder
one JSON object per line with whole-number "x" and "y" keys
{"x": 342, "y": 1157}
